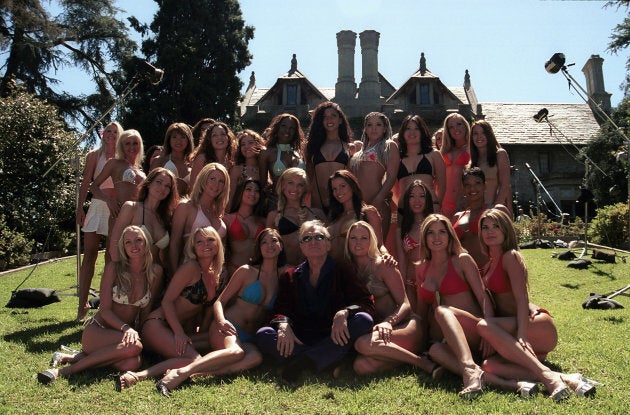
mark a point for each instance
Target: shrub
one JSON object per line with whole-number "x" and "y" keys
{"x": 15, "y": 249}
{"x": 610, "y": 226}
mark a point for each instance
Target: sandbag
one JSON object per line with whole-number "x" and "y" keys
{"x": 32, "y": 298}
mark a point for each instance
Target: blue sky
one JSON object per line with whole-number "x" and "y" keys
{"x": 504, "y": 44}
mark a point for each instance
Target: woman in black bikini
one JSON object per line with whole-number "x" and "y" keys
{"x": 292, "y": 212}
{"x": 328, "y": 149}
{"x": 128, "y": 290}
{"x": 346, "y": 207}
{"x": 419, "y": 160}
{"x": 178, "y": 329}
{"x": 251, "y": 294}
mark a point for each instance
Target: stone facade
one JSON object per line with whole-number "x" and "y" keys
{"x": 550, "y": 148}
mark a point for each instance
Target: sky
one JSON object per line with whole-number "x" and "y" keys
{"x": 503, "y": 43}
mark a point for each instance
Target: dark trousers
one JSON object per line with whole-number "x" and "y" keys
{"x": 323, "y": 352}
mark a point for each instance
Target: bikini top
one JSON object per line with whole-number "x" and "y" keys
{"x": 473, "y": 226}
{"x": 130, "y": 175}
{"x": 287, "y": 226}
{"x": 423, "y": 167}
{"x": 201, "y": 221}
{"x": 451, "y": 284}
{"x": 237, "y": 232}
{"x": 254, "y": 294}
{"x": 374, "y": 285}
{"x": 107, "y": 183}
{"x": 461, "y": 160}
{"x": 169, "y": 165}
{"x": 370, "y": 154}
{"x": 197, "y": 293}
{"x": 498, "y": 281}
{"x": 409, "y": 244}
{"x": 278, "y": 166}
{"x": 342, "y": 158}
{"x": 162, "y": 243}
{"x": 123, "y": 298}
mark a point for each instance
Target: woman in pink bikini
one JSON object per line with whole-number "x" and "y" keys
{"x": 208, "y": 200}
{"x": 521, "y": 333}
{"x": 456, "y": 154}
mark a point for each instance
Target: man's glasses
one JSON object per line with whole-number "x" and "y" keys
{"x": 309, "y": 238}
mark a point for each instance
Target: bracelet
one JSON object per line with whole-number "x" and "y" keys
{"x": 123, "y": 326}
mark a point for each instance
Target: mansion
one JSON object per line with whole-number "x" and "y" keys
{"x": 552, "y": 158}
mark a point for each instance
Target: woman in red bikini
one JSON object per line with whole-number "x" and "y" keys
{"x": 456, "y": 153}
{"x": 244, "y": 223}
{"x": 449, "y": 283}
{"x": 466, "y": 223}
{"x": 521, "y": 332}
{"x": 416, "y": 205}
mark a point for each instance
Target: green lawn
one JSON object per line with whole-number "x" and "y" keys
{"x": 595, "y": 342}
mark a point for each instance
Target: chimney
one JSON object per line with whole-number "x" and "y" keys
{"x": 370, "y": 88}
{"x": 595, "y": 84}
{"x": 346, "y": 87}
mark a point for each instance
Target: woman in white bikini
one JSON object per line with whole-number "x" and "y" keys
{"x": 96, "y": 222}
{"x": 152, "y": 212}
{"x": 250, "y": 144}
{"x": 218, "y": 146}
{"x": 129, "y": 288}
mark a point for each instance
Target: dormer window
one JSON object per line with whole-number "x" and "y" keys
{"x": 292, "y": 92}
{"x": 424, "y": 95}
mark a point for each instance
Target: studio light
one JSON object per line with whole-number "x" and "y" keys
{"x": 148, "y": 71}
{"x": 556, "y": 63}
{"x": 541, "y": 115}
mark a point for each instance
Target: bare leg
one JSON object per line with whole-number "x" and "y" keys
{"x": 86, "y": 272}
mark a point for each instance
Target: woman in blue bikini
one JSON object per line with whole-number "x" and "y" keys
{"x": 128, "y": 290}
{"x": 251, "y": 293}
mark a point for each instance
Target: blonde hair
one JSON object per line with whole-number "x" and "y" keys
{"x": 119, "y": 131}
{"x": 373, "y": 252}
{"x": 219, "y": 204}
{"x": 191, "y": 255}
{"x": 120, "y": 153}
{"x": 454, "y": 247}
{"x": 290, "y": 173}
{"x": 123, "y": 275}
{"x": 447, "y": 140}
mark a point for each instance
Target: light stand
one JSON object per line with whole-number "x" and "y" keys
{"x": 144, "y": 71}
{"x": 539, "y": 186}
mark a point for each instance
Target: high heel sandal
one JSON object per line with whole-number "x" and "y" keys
{"x": 527, "y": 389}
{"x": 475, "y": 390}
{"x": 581, "y": 385}
{"x": 47, "y": 376}
{"x": 561, "y": 394}
{"x": 162, "y": 389}
{"x": 58, "y": 357}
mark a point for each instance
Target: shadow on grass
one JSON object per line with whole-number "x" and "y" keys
{"x": 601, "y": 273}
{"x": 29, "y": 336}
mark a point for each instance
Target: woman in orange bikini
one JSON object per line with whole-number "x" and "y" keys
{"x": 456, "y": 154}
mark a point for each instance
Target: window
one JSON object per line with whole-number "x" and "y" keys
{"x": 291, "y": 95}
{"x": 423, "y": 96}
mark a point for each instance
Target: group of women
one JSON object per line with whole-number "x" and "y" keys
{"x": 202, "y": 245}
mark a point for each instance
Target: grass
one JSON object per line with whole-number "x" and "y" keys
{"x": 595, "y": 342}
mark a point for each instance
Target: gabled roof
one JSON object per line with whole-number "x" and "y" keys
{"x": 418, "y": 75}
{"x": 293, "y": 74}
{"x": 513, "y": 123}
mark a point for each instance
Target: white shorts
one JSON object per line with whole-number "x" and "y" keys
{"x": 97, "y": 217}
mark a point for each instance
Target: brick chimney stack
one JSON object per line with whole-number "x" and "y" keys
{"x": 595, "y": 83}
{"x": 346, "y": 87}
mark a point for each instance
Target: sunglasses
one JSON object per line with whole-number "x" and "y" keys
{"x": 309, "y": 238}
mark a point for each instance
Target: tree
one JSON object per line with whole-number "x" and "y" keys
{"x": 620, "y": 38}
{"x": 85, "y": 34}
{"x": 603, "y": 150}
{"x": 32, "y": 139}
{"x": 202, "y": 46}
